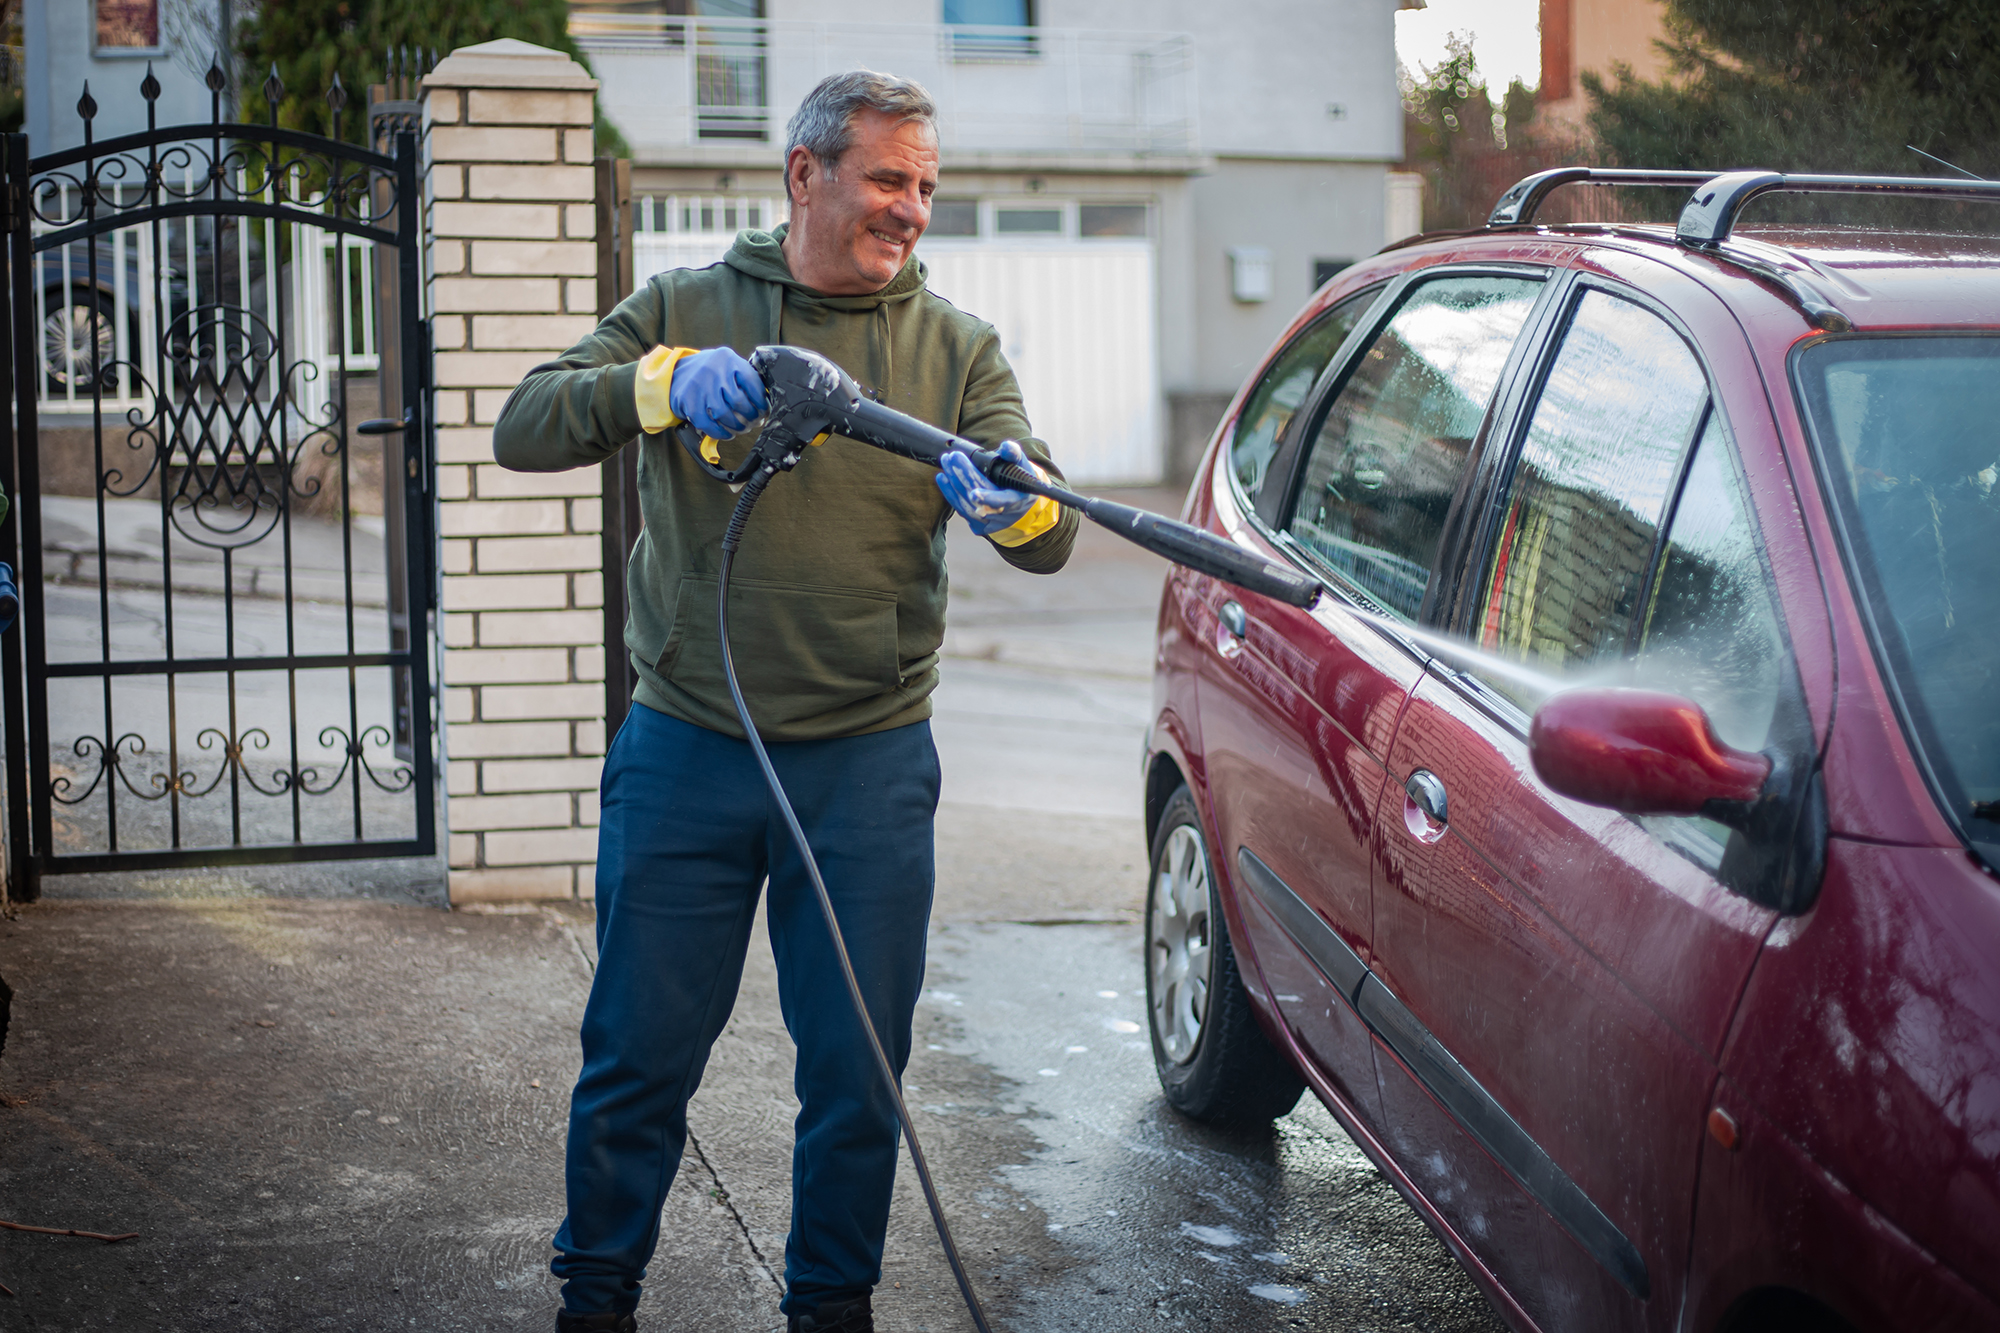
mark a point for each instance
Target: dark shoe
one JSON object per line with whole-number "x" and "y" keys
{"x": 849, "y": 1316}
{"x": 567, "y": 1322}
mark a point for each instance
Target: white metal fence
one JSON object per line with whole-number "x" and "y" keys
{"x": 695, "y": 230}
{"x": 106, "y": 320}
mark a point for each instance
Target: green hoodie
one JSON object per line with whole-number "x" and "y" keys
{"x": 837, "y": 600}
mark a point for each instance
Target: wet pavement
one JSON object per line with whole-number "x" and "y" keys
{"x": 326, "y": 1104}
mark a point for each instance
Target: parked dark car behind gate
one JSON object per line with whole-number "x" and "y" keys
{"x": 1612, "y": 846}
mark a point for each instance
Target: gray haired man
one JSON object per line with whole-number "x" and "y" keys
{"x": 840, "y": 599}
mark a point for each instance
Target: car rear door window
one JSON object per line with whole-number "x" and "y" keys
{"x": 1260, "y": 427}
{"x": 1583, "y": 511}
{"x": 1381, "y": 471}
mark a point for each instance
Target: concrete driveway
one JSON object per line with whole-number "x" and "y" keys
{"x": 326, "y": 1104}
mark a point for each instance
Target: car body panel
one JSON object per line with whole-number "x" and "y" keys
{"x": 1604, "y": 992}
{"x": 1769, "y": 1216}
{"x": 1870, "y": 1037}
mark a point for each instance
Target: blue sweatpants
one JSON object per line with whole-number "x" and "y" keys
{"x": 689, "y": 832}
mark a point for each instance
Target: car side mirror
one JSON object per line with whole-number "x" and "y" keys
{"x": 1642, "y": 752}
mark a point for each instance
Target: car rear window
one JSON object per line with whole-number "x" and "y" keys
{"x": 1383, "y": 467}
{"x": 1908, "y": 435}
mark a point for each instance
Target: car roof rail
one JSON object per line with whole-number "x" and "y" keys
{"x": 1711, "y": 213}
{"x": 1517, "y": 207}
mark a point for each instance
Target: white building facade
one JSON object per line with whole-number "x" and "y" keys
{"x": 1139, "y": 194}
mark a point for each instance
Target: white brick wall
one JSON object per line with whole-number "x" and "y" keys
{"x": 513, "y": 282}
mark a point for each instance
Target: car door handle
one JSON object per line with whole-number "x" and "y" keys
{"x": 1426, "y": 791}
{"x": 1233, "y": 618}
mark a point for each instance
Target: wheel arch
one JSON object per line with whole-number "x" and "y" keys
{"x": 1163, "y": 776}
{"x": 1780, "y": 1310}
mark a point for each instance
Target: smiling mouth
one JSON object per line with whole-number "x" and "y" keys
{"x": 895, "y": 242}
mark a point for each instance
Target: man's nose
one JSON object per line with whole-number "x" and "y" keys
{"x": 911, "y": 210}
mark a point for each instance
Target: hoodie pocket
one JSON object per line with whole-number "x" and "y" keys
{"x": 800, "y": 650}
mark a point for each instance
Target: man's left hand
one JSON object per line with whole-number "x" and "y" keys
{"x": 986, "y": 506}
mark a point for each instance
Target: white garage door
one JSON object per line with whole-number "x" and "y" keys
{"x": 1076, "y": 322}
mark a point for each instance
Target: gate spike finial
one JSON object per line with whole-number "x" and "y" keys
{"x": 149, "y": 88}
{"x": 86, "y": 105}
{"x": 215, "y": 78}
{"x": 336, "y": 101}
{"x": 274, "y": 91}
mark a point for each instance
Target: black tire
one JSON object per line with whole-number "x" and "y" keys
{"x": 1214, "y": 1062}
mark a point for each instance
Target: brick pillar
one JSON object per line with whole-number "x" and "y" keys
{"x": 513, "y": 281}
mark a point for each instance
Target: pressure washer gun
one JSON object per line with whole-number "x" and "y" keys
{"x": 807, "y": 398}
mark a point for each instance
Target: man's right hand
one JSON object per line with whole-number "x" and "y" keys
{"x": 717, "y": 391}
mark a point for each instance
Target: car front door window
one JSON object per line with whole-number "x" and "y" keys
{"x": 1589, "y": 491}
{"x": 1382, "y": 469}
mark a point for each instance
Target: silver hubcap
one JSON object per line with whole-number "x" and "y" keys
{"x": 1178, "y": 938}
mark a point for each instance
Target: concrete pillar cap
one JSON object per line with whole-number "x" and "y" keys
{"x": 509, "y": 63}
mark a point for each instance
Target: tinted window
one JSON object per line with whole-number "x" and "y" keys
{"x": 1908, "y": 430}
{"x": 1381, "y": 471}
{"x": 1028, "y": 221}
{"x": 954, "y": 217}
{"x": 1614, "y": 418}
{"x": 1111, "y": 220}
{"x": 1282, "y": 392}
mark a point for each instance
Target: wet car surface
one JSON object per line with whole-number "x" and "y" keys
{"x": 1609, "y": 847}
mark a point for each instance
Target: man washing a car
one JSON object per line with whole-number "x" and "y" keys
{"x": 838, "y": 605}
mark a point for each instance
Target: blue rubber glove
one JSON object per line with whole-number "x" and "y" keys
{"x": 986, "y": 507}
{"x": 718, "y": 391}
{"x": 10, "y": 599}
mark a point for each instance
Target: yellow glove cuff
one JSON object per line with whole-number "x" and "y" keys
{"x": 653, "y": 388}
{"x": 1041, "y": 516}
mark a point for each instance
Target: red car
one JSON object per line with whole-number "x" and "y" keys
{"x": 1611, "y": 846}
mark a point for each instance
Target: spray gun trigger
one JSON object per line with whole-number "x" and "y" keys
{"x": 710, "y": 452}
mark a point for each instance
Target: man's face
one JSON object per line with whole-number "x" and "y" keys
{"x": 866, "y": 217}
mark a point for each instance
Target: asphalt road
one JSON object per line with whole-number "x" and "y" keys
{"x": 325, "y": 1104}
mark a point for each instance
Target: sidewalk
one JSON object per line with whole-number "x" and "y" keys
{"x": 320, "y": 1111}
{"x": 135, "y": 556}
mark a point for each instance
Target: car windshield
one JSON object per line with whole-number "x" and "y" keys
{"x": 1908, "y": 430}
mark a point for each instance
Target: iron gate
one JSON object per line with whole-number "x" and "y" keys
{"x": 226, "y": 573}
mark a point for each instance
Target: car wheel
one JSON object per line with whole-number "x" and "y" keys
{"x": 78, "y": 336}
{"x": 1215, "y": 1063}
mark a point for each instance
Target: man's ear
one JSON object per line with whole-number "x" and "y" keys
{"x": 799, "y": 173}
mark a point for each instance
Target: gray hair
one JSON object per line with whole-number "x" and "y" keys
{"x": 824, "y": 123}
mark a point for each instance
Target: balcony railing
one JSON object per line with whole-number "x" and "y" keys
{"x": 673, "y": 83}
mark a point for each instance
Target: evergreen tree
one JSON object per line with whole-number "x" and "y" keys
{"x": 1813, "y": 85}
{"x": 309, "y": 41}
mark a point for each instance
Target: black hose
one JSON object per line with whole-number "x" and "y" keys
{"x": 731, "y": 539}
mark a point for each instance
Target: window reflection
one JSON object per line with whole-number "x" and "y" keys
{"x": 1382, "y": 470}
{"x": 1908, "y": 430}
{"x": 1282, "y": 392}
{"x": 1589, "y": 490}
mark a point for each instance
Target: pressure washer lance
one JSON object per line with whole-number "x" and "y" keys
{"x": 808, "y": 398}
